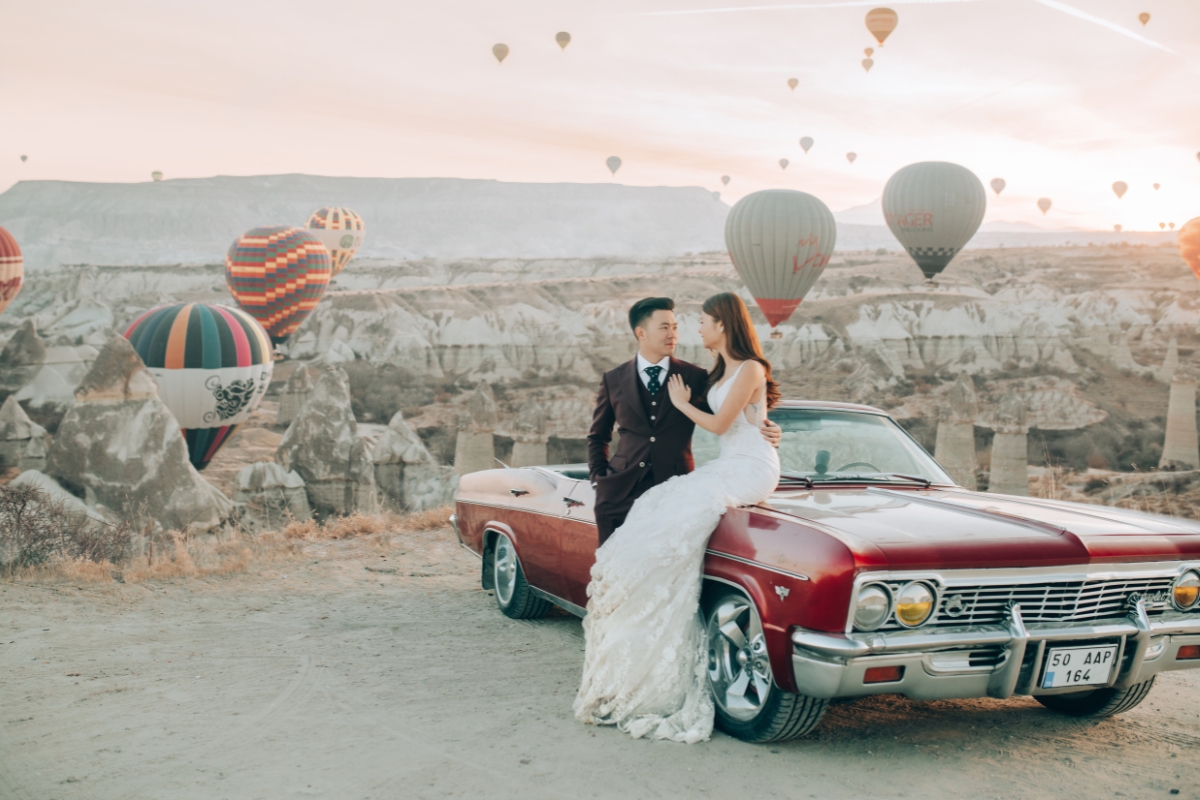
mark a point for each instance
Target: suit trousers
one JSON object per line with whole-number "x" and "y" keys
{"x": 610, "y": 516}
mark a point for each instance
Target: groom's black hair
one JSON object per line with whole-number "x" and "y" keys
{"x": 644, "y": 309}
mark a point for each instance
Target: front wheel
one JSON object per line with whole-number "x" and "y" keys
{"x": 1097, "y": 702}
{"x": 749, "y": 705}
{"x": 514, "y": 595}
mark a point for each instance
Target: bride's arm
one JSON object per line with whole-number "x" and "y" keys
{"x": 745, "y": 383}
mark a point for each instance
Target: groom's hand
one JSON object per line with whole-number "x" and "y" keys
{"x": 771, "y": 432}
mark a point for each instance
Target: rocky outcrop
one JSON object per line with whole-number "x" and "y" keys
{"x": 322, "y": 445}
{"x": 120, "y": 447}
{"x": 269, "y": 497}
{"x": 407, "y": 475}
{"x": 21, "y": 358}
{"x": 1010, "y": 457}
{"x": 22, "y": 441}
{"x": 1181, "y": 446}
{"x": 529, "y": 434}
{"x": 475, "y": 447}
{"x": 955, "y": 447}
{"x": 294, "y": 395}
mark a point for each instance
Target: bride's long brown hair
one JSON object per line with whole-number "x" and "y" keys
{"x": 741, "y": 340}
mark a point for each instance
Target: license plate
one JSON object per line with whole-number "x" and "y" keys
{"x": 1078, "y": 666}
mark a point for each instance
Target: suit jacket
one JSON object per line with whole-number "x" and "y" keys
{"x": 661, "y": 447}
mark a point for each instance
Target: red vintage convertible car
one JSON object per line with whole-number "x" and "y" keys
{"x": 869, "y": 571}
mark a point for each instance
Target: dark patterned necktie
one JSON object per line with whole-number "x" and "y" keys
{"x": 654, "y": 385}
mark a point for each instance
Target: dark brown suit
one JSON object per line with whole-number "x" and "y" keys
{"x": 650, "y": 451}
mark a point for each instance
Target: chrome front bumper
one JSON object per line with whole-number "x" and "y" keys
{"x": 937, "y": 662}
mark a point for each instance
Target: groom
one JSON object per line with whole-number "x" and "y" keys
{"x": 656, "y": 439}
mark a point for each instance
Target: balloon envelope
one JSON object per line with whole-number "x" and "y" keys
{"x": 851, "y": 156}
{"x": 998, "y": 185}
{"x": 563, "y": 38}
{"x": 881, "y": 22}
{"x": 12, "y": 269}
{"x": 783, "y": 163}
{"x": 1171, "y": 225}
{"x": 868, "y": 51}
{"x": 1144, "y": 17}
{"x": 793, "y": 83}
{"x": 780, "y": 242}
{"x": 213, "y": 365}
{"x": 933, "y": 209}
{"x": 725, "y": 179}
{"x": 341, "y": 230}
{"x": 1117, "y": 228}
{"x": 1156, "y": 187}
{"x": 806, "y": 142}
{"x": 1162, "y": 226}
{"x": 1188, "y": 241}
{"x": 867, "y": 64}
{"x": 24, "y": 159}
{"x": 277, "y": 274}
{"x": 1044, "y": 204}
{"x": 613, "y": 163}
{"x": 1119, "y": 188}
{"x": 500, "y": 51}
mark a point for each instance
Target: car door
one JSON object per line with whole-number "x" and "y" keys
{"x": 579, "y": 542}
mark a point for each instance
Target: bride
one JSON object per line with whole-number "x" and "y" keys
{"x": 645, "y": 669}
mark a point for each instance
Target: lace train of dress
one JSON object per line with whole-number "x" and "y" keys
{"x": 646, "y": 662}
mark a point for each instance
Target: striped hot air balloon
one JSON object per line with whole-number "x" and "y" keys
{"x": 780, "y": 241}
{"x": 213, "y": 365}
{"x": 341, "y": 230}
{"x": 277, "y": 275}
{"x": 12, "y": 269}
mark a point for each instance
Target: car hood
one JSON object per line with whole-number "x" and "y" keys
{"x": 956, "y": 528}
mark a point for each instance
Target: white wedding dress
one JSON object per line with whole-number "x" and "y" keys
{"x": 645, "y": 669}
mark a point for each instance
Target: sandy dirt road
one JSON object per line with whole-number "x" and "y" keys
{"x": 319, "y": 677}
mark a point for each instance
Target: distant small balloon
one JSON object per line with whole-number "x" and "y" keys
{"x": 851, "y": 156}
{"x": 793, "y": 83}
{"x": 783, "y": 162}
{"x": 867, "y": 64}
{"x": 725, "y": 180}
{"x": 156, "y": 176}
{"x": 806, "y": 142}
{"x": 998, "y": 185}
{"x": 1171, "y": 225}
{"x": 1156, "y": 187}
{"x": 1144, "y": 17}
{"x": 1117, "y": 228}
{"x": 1119, "y": 188}
{"x": 1162, "y": 226}
{"x": 881, "y": 22}
{"x": 868, "y": 51}
{"x": 24, "y": 159}
{"x": 500, "y": 51}
{"x": 563, "y": 38}
{"x": 1044, "y": 204}
{"x": 613, "y": 163}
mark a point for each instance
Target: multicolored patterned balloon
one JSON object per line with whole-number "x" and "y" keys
{"x": 12, "y": 269}
{"x": 277, "y": 275}
{"x": 213, "y": 365}
{"x": 341, "y": 230}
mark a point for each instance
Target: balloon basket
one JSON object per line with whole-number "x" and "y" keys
{"x": 776, "y": 334}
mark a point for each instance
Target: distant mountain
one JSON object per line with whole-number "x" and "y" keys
{"x": 870, "y": 214}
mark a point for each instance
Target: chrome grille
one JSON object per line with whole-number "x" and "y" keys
{"x": 1058, "y": 601}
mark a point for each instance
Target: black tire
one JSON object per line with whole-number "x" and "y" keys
{"x": 770, "y": 716}
{"x": 514, "y": 596}
{"x": 1097, "y": 702}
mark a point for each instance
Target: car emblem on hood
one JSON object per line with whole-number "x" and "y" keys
{"x": 956, "y": 605}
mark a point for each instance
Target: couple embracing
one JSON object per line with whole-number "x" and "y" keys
{"x": 645, "y": 668}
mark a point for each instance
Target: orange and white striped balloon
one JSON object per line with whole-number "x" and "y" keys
{"x": 12, "y": 269}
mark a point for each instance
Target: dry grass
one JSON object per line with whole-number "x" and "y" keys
{"x": 358, "y": 526}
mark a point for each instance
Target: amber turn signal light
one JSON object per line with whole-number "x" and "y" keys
{"x": 1185, "y": 653}
{"x": 886, "y": 674}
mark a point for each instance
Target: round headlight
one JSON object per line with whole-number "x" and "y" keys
{"x": 873, "y": 606}
{"x": 914, "y": 604}
{"x": 1187, "y": 589}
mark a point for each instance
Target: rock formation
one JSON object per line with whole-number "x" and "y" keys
{"x": 322, "y": 445}
{"x": 1170, "y": 362}
{"x": 120, "y": 447}
{"x": 21, "y": 358}
{"x": 294, "y": 395}
{"x": 270, "y": 497}
{"x": 406, "y": 473}
{"x": 1181, "y": 449}
{"x": 529, "y": 434}
{"x": 22, "y": 441}
{"x": 475, "y": 447}
{"x": 955, "y": 447}
{"x": 1010, "y": 454}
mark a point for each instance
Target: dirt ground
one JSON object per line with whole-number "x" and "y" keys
{"x": 381, "y": 670}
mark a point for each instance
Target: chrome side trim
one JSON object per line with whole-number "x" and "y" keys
{"x": 469, "y": 550}
{"x": 566, "y": 605}
{"x": 758, "y": 564}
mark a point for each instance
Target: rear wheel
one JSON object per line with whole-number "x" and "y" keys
{"x": 749, "y": 704}
{"x": 1097, "y": 702}
{"x": 514, "y": 595}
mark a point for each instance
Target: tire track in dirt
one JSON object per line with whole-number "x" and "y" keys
{"x": 10, "y": 655}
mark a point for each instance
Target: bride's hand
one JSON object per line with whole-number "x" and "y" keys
{"x": 680, "y": 393}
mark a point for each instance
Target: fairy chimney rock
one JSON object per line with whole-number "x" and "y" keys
{"x": 1181, "y": 448}
{"x": 24, "y": 349}
{"x": 295, "y": 394}
{"x": 22, "y": 441}
{"x": 1010, "y": 457}
{"x": 1170, "y": 362}
{"x": 963, "y": 401}
{"x": 482, "y": 408}
{"x": 117, "y": 375}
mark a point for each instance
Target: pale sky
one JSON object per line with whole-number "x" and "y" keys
{"x": 1059, "y": 97}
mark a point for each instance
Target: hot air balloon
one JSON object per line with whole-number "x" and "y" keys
{"x": 213, "y": 365}
{"x": 806, "y": 142}
{"x": 1144, "y": 17}
{"x": 793, "y": 83}
{"x": 998, "y": 185}
{"x": 341, "y": 230}
{"x": 1156, "y": 187}
{"x": 867, "y": 64}
{"x": 12, "y": 269}
{"x": 1188, "y": 241}
{"x": 868, "y": 51}
{"x": 1117, "y": 228}
{"x": 725, "y": 180}
{"x": 780, "y": 242}
{"x": 613, "y": 163}
{"x": 1044, "y": 204}
{"x": 1162, "y": 226}
{"x": 783, "y": 163}
{"x": 851, "y": 156}
{"x": 1119, "y": 188}
{"x": 563, "y": 38}
{"x": 933, "y": 209}
{"x": 24, "y": 159}
{"x": 277, "y": 274}
{"x": 156, "y": 176}
{"x": 1171, "y": 225}
{"x": 500, "y": 51}
{"x": 881, "y": 22}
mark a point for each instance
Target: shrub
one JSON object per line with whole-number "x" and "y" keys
{"x": 36, "y": 528}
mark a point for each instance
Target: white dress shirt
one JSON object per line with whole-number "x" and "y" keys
{"x": 642, "y": 363}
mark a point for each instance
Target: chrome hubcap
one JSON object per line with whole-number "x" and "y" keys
{"x": 738, "y": 668}
{"x": 505, "y": 569}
